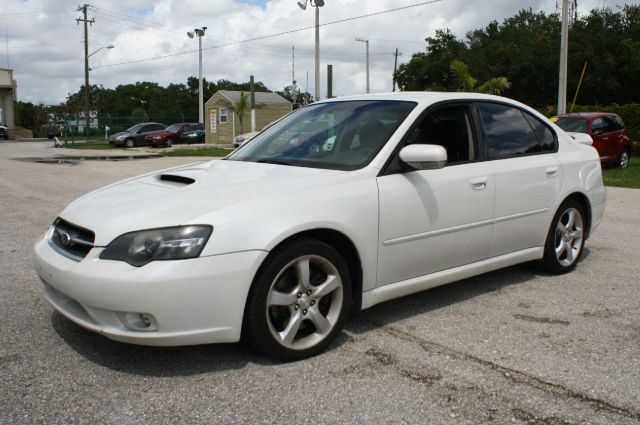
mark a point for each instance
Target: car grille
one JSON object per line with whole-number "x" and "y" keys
{"x": 71, "y": 241}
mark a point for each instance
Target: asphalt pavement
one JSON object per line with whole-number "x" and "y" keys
{"x": 512, "y": 346}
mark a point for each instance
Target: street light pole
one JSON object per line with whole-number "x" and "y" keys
{"x": 317, "y": 4}
{"x": 564, "y": 53}
{"x": 366, "y": 41}
{"x": 199, "y": 32}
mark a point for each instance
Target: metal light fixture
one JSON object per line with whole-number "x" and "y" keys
{"x": 199, "y": 32}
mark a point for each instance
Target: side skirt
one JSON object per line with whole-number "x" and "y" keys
{"x": 421, "y": 283}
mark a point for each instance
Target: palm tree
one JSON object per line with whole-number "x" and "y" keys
{"x": 240, "y": 106}
{"x": 466, "y": 82}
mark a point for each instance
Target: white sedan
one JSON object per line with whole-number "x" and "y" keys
{"x": 337, "y": 207}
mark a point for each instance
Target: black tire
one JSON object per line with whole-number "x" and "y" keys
{"x": 266, "y": 323}
{"x": 168, "y": 142}
{"x": 129, "y": 143}
{"x": 625, "y": 157}
{"x": 570, "y": 242}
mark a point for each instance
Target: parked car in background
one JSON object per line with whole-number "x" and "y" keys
{"x": 362, "y": 199}
{"x": 136, "y": 135}
{"x": 4, "y": 132}
{"x": 172, "y": 134}
{"x": 607, "y": 131}
{"x": 244, "y": 138}
{"x": 194, "y": 137}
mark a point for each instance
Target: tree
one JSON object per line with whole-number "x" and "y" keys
{"x": 239, "y": 107}
{"x": 431, "y": 70}
{"x": 467, "y": 83}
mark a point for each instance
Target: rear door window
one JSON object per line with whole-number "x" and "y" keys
{"x": 507, "y": 132}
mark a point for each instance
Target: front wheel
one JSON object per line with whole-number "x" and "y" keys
{"x": 299, "y": 301}
{"x": 625, "y": 156}
{"x": 168, "y": 142}
{"x": 129, "y": 143}
{"x": 565, "y": 240}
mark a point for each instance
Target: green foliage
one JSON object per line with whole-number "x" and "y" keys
{"x": 240, "y": 107}
{"x": 30, "y": 116}
{"x": 525, "y": 50}
{"x": 467, "y": 83}
{"x": 495, "y": 86}
{"x": 462, "y": 76}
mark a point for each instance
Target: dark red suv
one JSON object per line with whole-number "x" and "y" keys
{"x": 607, "y": 131}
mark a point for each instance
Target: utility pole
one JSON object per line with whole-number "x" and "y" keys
{"x": 366, "y": 41}
{"x": 395, "y": 67}
{"x": 252, "y": 87}
{"x": 86, "y": 21}
{"x": 564, "y": 52}
{"x": 329, "y": 81}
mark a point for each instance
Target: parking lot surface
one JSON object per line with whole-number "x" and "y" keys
{"x": 512, "y": 346}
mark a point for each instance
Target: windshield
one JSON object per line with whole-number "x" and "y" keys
{"x": 173, "y": 128}
{"x": 576, "y": 125}
{"x": 135, "y": 128}
{"x": 336, "y": 135}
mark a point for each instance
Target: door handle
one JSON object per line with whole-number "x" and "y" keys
{"x": 479, "y": 183}
{"x": 552, "y": 172}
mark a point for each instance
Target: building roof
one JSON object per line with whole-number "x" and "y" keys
{"x": 261, "y": 97}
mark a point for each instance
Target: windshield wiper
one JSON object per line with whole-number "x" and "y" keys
{"x": 273, "y": 161}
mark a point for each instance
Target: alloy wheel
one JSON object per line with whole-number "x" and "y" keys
{"x": 304, "y": 302}
{"x": 569, "y": 237}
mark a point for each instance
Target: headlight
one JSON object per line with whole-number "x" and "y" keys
{"x": 170, "y": 243}
{"x": 121, "y": 137}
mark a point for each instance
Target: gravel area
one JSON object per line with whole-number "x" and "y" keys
{"x": 512, "y": 346}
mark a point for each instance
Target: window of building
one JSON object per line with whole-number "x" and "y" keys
{"x": 224, "y": 115}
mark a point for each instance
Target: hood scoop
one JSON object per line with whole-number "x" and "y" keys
{"x": 173, "y": 178}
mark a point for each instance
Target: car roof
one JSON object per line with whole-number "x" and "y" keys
{"x": 586, "y": 115}
{"x": 425, "y": 99}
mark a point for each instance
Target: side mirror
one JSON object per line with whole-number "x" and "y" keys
{"x": 597, "y": 131}
{"x": 424, "y": 157}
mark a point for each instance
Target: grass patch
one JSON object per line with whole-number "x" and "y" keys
{"x": 627, "y": 177}
{"x": 96, "y": 146}
{"x": 212, "y": 152}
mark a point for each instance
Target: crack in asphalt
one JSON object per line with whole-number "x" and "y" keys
{"x": 511, "y": 374}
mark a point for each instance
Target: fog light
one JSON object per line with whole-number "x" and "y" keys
{"x": 141, "y": 322}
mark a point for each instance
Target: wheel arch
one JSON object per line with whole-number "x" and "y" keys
{"x": 582, "y": 199}
{"x": 338, "y": 241}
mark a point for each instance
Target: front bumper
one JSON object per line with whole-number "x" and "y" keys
{"x": 197, "y": 301}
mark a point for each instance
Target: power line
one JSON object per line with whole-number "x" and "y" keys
{"x": 352, "y": 18}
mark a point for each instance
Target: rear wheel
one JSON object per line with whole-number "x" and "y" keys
{"x": 565, "y": 240}
{"x": 625, "y": 156}
{"x": 299, "y": 301}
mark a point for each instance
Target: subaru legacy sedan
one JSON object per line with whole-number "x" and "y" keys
{"x": 337, "y": 207}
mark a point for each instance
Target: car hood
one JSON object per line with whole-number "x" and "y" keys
{"x": 181, "y": 195}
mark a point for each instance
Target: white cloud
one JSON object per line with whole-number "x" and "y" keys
{"x": 46, "y": 51}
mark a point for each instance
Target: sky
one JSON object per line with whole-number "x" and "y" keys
{"x": 42, "y": 42}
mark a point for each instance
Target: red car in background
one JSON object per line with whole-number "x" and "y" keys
{"x": 172, "y": 134}
{"x": 607, "y": 131}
